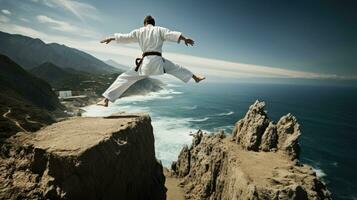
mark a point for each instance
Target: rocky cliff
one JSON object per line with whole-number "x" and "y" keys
{"x": 259, "y": 160}
{"x": 84, "y": 158}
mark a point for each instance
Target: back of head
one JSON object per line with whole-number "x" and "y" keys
{"x": 149, "y": 20}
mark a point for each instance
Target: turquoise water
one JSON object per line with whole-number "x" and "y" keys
{"x": 326, "y": 114}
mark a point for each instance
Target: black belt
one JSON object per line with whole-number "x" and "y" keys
{"x": 138, "y": 61}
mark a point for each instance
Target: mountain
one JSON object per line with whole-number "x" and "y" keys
{"x": 117, "y": 65}
{"x": 52, "y": 74}
{"x": 29, "y": 53}
{"x": 61, "y": 78}
{"x": 26, "y": 101}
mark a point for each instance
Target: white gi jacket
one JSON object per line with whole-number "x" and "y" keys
{"x": 150, "y": 38}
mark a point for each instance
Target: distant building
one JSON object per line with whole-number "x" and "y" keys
{"x": 65, "y": 94}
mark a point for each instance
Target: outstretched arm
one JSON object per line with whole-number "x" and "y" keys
{"x": 188, "y": 41}
{"x": 122, "y": 38}
{"x": 175, "y": 36}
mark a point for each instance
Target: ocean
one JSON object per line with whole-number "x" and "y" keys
{"x": 327, "y": 115}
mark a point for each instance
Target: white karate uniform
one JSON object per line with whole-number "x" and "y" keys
{"x": 150, "y": 38}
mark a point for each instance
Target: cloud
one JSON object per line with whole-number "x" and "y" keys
{"x": 79, "y": 9}
{"x": 57, "y": 24}
{"x": 232, "y": 69}
{"x": 24, "y": 19}
{"x": 65, "y": 26}
{"x": 4, "y": 19}
{"x": 47, "y": 3}
{"x": 6, "y": 12}
{"x": 30, "y": 32}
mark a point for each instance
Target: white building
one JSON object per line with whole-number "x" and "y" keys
{"x": 65, "y": 94}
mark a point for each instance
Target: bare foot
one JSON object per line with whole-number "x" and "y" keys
{"x": 104, "y": 102}
{"x": 198, "y": 78}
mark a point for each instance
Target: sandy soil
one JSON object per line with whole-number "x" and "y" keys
{"x": 262, "y": 168}
{"x": 174, "y": 191}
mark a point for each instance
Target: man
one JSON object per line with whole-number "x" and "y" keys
{"x": 150, "y": 39}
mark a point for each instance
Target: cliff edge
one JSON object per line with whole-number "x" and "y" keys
{"x": 259, "y": 160}
{"x": 84, "y": 158}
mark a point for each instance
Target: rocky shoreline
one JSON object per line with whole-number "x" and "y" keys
{"x": 259, "y": 160}
{"x": 114, "y": 158}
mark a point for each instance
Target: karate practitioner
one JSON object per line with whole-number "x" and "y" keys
{"x": 150, "y": 39}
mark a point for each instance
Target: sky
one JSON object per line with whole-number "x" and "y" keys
{"x": 306, "y": 39}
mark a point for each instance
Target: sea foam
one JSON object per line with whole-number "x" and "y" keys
{"x": 225, "y": 113}
{"x": 171, "y": 134}
{"x": 319, "y": 172}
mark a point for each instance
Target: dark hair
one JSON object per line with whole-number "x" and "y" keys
{"x": 149, "y": 20}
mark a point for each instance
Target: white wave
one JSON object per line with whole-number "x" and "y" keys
{"x": 171, "y": 134}
{"x": 226, "y": 129}
{"x": 99, "y": 111}
{"x": 162, "y": 94}
{"x": 127, "y": 104}
{"x": 176, "y": 92}
{"x": 173, "y": 85}
{"x": 319, "y": 172}
{"x": 226, "y": 113}
{"x": 198, "y": 120}
{"x": 190, "y": 107}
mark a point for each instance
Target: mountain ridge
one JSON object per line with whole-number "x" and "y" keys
{"x": 31, "y": 52}
{"x": 117, "y": 65}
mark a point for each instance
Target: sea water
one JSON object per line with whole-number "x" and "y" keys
{"x": 327, "y": 115}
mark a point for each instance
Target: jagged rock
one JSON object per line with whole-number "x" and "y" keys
{"x": 84, "y": 158}
{"x": 249, "y": 130}
{"x": 219, "y": 168}
{"x": 206, "y": 169}
{"x": 269, "y": 140}
{"x": 257, "y": 133}
{"x": 197, "y": 138}
{"x": 183, "y": 166}
{"x": 288, "y": 131}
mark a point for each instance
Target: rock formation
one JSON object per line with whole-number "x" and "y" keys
{"x": 258, "y": 161}
{"x": 256, "y": 132}
{"x": 84, "y": 158}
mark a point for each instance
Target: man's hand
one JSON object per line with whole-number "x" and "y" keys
{"x": 188, "y": 41}
{"x": 107, "y": 40}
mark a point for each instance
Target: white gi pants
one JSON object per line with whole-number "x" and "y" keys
{"x": 152, "y": 65}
